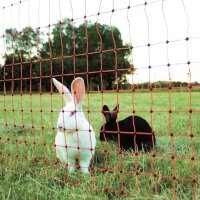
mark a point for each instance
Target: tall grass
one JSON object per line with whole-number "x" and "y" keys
{"x": 30, "y": 170}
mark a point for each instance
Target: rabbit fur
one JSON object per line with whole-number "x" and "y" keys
{"x": 75, "y": 139}
{"x": 126, "y": 128}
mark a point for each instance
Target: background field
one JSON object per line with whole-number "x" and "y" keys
{"x": 29, "y": 169}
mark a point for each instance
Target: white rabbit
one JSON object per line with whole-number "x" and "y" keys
{"x": 75, "y": 139}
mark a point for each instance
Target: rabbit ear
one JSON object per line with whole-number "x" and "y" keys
{"x": 115, "y": 112}
{"x": 78, "y": 90}
{"x": 106, "y": 113}
{"x": 105, "y": 108}
{"x": 63, "y": 90}
{"x": 116, "y": 108}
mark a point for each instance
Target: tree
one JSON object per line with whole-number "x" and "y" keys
{"x": 90, "y": 50}
{"x": 102, "y": 43}
{"x": 59, "y": 47}
{"x": 21, "y": 49}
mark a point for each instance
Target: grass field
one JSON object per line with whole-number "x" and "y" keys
{"x": 29, "y": 169}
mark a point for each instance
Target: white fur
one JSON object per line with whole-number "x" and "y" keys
{"x": 75, "y": 139}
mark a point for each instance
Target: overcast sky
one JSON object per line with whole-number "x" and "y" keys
{"x": 155, "y": 23}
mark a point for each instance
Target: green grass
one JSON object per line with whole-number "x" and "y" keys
{"x": 29, "y": 169}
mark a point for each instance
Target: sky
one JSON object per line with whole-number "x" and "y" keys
{"x": 157, "y": 22}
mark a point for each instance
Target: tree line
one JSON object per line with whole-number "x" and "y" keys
{"x": 166, "y": 84}
{"x": 93, "y": 51}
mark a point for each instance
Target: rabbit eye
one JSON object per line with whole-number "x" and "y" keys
{"x": 72, "y": 113}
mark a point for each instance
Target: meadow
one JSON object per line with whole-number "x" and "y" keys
{"x": 29, "y": 168}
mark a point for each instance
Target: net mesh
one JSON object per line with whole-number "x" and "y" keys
{"x": 139, "y": 55}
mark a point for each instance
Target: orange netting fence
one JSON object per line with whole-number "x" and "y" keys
{"x": 139, "y": 57}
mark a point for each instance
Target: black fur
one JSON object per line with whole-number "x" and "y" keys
{"x": 128, "y": 134}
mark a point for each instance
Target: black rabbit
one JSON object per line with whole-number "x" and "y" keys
{"x": 132, "y": 130}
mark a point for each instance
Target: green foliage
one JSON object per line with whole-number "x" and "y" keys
{"x": 85, "y": 50}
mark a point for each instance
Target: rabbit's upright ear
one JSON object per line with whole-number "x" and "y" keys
{"x": 106, "y": 113}
{"x": 116, "y": 109}
{"x": 78, "y": 90}
{"x": 63, "y": 90}
{"x": 115, "y": 112}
